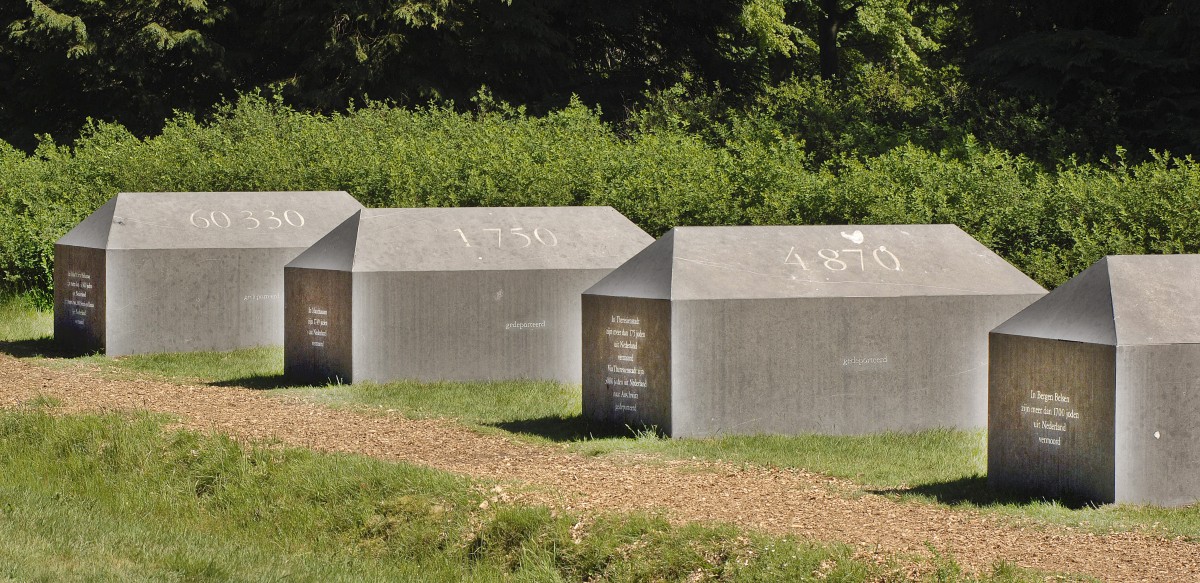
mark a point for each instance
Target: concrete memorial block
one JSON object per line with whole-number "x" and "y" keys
{"x": 1095, "y": 389}
{"x": 185, "y": 271}
{"x": 450, "y": 293}
{"x": 812, "y": 329}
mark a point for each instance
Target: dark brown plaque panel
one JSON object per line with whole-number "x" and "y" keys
{"x": 79, "y": 298}
{"x": 318, "y": 330}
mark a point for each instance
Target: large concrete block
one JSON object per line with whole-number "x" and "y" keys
{"x": 184, "y": 271}
{"x": 1095, "y": 389}
{"x": 454, "y": 294}
{"x": 813, "y": 329}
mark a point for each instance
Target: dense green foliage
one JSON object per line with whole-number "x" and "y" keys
{"x": 1046, "y": 80}
{"x": 1051, "y": 224}
{"x": 1107, "y": 71}
{"x": 112, "y": 498}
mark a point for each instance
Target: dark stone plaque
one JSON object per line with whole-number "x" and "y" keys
{"x": 1051, "y": 414}
{"x": 79, "y": 298}
{"x": 317, "y": 340}
{"x": 629, "y": 340}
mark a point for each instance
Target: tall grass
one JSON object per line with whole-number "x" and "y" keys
{"x": 117, "y": 498}
{"x": 23, "y": 319}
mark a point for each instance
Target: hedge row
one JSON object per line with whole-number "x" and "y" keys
{"x": 1049, "y": 224}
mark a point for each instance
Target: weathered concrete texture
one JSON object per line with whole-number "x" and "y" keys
{"x": 1095, "y": 389}
{"x": 816, "y": 329}
{"x": 453, "y": 294}
{"x": 172, "y": 272}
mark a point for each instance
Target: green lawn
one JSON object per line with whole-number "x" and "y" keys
{"x": 119, "y": 498}
{"x": 941, "y": 466}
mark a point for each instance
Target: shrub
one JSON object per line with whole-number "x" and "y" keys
{"x": 1049, "y": 224}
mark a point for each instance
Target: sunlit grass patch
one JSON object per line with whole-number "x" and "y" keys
{"x": 21, "y": 319}
{"x": 260, "y": 367}
{"x": 118, "y": 498}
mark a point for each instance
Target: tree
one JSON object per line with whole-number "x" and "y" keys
{"x": 534, "y": 52}
{"x": 1113, "y": 72}
{"x": 830, "y": 37}
{"x": 134, "y": 60}
{"x": 830, "y": 21}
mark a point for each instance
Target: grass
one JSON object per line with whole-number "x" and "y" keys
{"x": 22, "y": 320}
{"x": 107, "y": 497}
{"x": 260, "y": 367}
{"x": 480, "y": 403}
{"x": 941, "y": 466}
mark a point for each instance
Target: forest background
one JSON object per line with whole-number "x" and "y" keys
{"x": 1055, "y": 132}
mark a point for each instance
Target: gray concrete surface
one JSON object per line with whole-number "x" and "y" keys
{"x": 172, "y": 272}
{"x": 1095, "y": 389}
{"x": 451, "y": 294}
{"x": 814, "y": 329}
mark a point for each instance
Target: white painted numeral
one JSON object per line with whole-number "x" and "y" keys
{"x": 836, "y": 260}
{"x": 537, "y": 234}
{"x": 862, "y": 265}
{"x": 833, "y": 260}
{"x": 895, "y": 260}
{"x": 793, "y": 258}
{"x": 543, "y": 236}
{"x": 195, "y": 220}
{"x": 221, "y": 220}
{"x": 517, "y": 231}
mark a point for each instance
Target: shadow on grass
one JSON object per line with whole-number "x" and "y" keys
{"x": 974, "y": 491}
{"x": 44, "y": 347}
{"x": 259, "y": 382}
{"x": 563, "y": 429}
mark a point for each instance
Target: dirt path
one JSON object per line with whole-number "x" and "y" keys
{"x": 771, "y": 500}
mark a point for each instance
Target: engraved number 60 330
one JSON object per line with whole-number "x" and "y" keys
{"x": 221, "y": 220}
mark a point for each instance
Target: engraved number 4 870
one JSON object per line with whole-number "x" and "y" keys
{"x": 839, "y": 261}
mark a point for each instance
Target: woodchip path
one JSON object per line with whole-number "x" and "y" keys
{"x": 779, "y": 501}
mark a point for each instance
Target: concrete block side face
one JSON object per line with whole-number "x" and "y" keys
{"x": 79, "y": 298}
{"x": 1158, "y": 403}
{"x": 469, "y": 325}
{"x": 1051, "y": 417}
{"x": 627, "y": 361}
{"x": 318, "y": 332}
{"x": 180, "y": 300}
{"x": 838, "y": 366}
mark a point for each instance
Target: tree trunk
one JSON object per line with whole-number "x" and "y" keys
{"x": 830, "y": 21}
